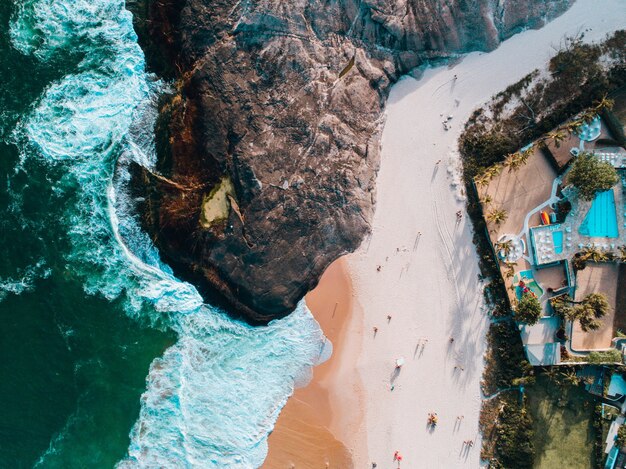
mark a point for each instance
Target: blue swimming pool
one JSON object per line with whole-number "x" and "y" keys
{"x": 601, "y": 220}
{"x": 557, "y": 238}
{"x": 617, "y": 386}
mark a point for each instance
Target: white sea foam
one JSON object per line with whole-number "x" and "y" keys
{"x": 25, "y": 281}
{"x": 214, "y": 396}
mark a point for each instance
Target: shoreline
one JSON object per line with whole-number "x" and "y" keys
{"x": 428, "y": 279}
{"x": 321, "y": 415}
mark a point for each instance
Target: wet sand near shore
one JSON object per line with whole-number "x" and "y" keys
{"x": 303, "y": 436}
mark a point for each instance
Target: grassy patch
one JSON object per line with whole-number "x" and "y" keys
{"x": 562, "y": 416}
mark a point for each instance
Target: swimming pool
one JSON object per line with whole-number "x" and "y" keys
{"x": 617, "y": 386}
{"x": 601, "y": 219}
{"x": 557, "y": 238}
{"x": 529, "y": 280}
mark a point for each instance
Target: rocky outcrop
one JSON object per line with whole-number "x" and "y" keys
{"x": 285, "y": 100}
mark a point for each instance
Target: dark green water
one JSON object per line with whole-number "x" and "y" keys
{"x": 72, "y": 365}
{"x": 82, "y": 287}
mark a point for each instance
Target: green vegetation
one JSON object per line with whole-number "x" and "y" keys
{"x": 620, "y": 441}
{"x": 506, "y": 364}
{"x": 610, "y": 356}
{"x": 590, "y": 175}
{"x": 528, "y": 309}
{"x": 507, "y": 430}
{"x": 600, "y": 426}
{"x": 535, "y": 107}
{"x": 591, "y": 254}
{"x": 562, "y": 414}
{"x": 497, "y": 216}
{"x": 587, "y": 312}
{"x": 514, "y": 430}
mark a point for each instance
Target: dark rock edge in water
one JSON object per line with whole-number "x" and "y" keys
{"x": 286, "y": 101}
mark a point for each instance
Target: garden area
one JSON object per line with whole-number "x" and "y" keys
{"x": 563, "y": 424}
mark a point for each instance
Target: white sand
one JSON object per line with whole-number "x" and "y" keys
{"x": 434, "y": 292}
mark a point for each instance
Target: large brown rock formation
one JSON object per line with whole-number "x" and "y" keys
{"x": 285, "y": 99}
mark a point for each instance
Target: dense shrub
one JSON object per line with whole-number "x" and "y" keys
{"x": 506, "y": 363}
{"x": 620, "y": 441}
{"x": 610, "y": 356}
{"x": 528, "y": 309}
{"x": 590, "y": 175}
{"x": 514, "y": 447}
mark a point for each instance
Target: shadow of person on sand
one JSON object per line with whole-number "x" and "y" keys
{"x": 432, "y": 178}
{"x": 394, "y": 375}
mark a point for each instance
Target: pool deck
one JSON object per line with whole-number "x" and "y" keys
{"x": 573, "y": 240}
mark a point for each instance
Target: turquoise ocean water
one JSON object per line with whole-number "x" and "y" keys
{"x": 106, "y": 359}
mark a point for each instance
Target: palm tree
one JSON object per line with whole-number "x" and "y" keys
{"x": 557, "y": 136}
{"x": 497, "y": 216}
{"x": 516, "y": 160}
{"x": 510, "y": 269}
{"x": 483, "y": 179}
{"x": 570, "y": 377}
{"x": 552, "y": 373}
{"x": 486, "y": 200}
{"x": 604, "y": 103}
{"x": 588, "y": 311}
{"x": 494, "y": 170}
{"x": 593, "y": 254}
{"x": 504, "y": 246}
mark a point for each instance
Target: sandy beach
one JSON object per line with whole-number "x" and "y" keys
{"x": 419, "y": 266}
{"x": 318, "y": 417}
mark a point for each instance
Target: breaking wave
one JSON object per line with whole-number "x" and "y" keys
{"x": 214, "y": 396}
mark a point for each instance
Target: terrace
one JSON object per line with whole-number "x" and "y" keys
{"x": 596, "y": 278}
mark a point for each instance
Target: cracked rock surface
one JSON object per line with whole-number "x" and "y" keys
{"x": 285, "y": 99}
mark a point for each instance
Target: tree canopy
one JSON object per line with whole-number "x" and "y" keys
{"x": 587, "y": 312}
{"x": 590, "y": 175}
{"x": 620, "y": 440}
{"x": 528, "y": 309}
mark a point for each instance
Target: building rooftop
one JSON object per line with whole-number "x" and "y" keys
{"x": 541, "y": 333}
{"x": 543, "y": 354}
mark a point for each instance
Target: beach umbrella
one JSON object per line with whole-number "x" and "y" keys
{"x": 399, "y": 362}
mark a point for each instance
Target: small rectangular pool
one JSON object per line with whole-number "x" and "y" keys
{"x": 601, "y": 219}
{"x": 557, "y": 238}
